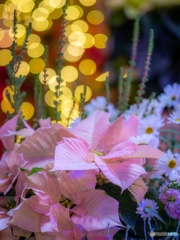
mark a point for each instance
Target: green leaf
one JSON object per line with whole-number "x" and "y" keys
{"x": 23, "y": 170}
{"x": 34, "y": 170}
{"x": 127, "y": 205}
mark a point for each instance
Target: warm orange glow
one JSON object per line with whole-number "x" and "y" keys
{"x": 87, "y": 67}
{"x": 100, "y": 40}
{"x": 95, "y": 17}
{"x": 102, "y": 77}
{"x": 80, "y": 89}
{"x": 69, "y": 73}
{"x": 5, "y": 57}
{"x": 36, "y": 65}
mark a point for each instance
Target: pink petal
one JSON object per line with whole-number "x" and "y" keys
{"x": 71, "y": 155}
{"x": 39, "y": 148}
{"x": 45, "y": 122}
{"x": 127, "y": 172}
{"x": 145, "y": 151}
{"x": 99, "y": 213}
{"x": 28, "y": 126}
{"x": 92, "y": 128}
{"x": 44, "y": 236}
{"x": 8, "y": 141}
{"x": 4, "y": 219}
{"x": 98, "y": 234}
{"x": 118, "y": 132}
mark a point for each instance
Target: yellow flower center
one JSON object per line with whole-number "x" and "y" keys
{"x": 171, "y": 199}
{"x": 172, "y": 163}
{"x": 98, "y": 153}
{"x": 178, "y": 120}
{"x": 143, "y": 143}
{"x": 173, "y": 97}
{"x": 66, "y": 203}
{"x": 149, "y": 130}
{"x": 10, "y": 205}
{"x": 144, "y": 209}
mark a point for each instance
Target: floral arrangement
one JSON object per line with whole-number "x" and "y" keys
{"x": 96, "y": 178}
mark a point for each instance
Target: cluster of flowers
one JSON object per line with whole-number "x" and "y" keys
{"x": 49, "y": 179}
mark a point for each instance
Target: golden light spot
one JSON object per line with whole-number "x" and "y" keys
{"x": 27, "y": 21}
{"x": 77, "y": 39}
{"x": 67, "y": 94}
{"x": 178, "y": 120}
{"x": 27, "y": 110}
{"x": 50, "y": 23}
{"x": 173, "y": 97}
{"x": 24, "y": 16}
{"x": 69, "y": 73}
{"x": 69, "y": 57}
{"x": 102, "y": 77}
{"x": 35, "y": 50}
{"x": 87, "y": 3}
{"x": 49, "y": 98}
{"x": 10, "y": 7}
{"x": 10, "y": 90}
{"x": 67, "y": 104}
{"x": 40, "y": 25}
{"x": 26, "y": 5}
{"x": 50, "y": 72}
{"x": 81, "y": 12}
{"x": 33, "y": 38}
{"x": 56, "y": 14}
{"x": 53, "y": 83}
{"x": 149, "y": 130}
{"x": 89, "y": 40}
{"x": 40, "y": 14}
{"x": 79, "y": 26}
{"x": 80, "y": 89}
{"x": 87, "y": 67}
{"x": 56, "y": 3}
{"x": 1, "y": 10}
{"x": 23, "y": 69}
{"x": 6, "y": 106}
{"x": 172, "y": 163}
{"x": 45, "y": 4}
{"x": 100, "y": 40}
{"x": 36, "y": 65}
{"x": 72, "y": 13}
{"x": 5, "y": 57}
{"x": 68, "y": 30}
{"x": 95, "y": 17}
{"x": 7, "y": 22}
{"x": 21, "y": 31}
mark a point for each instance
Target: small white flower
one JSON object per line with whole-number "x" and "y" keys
{"x": 74, "y": 122}
{"x": 150, "y": 125}
{"x": 169, "y": 164}
{"x": 141, "y": 140}
{"x": 155, "y": 107}
{"x": 144, "y": 206}
{"x": 133, "y": 109}
{"x": 171, "y": 95}
{"x": 174, "y": 117}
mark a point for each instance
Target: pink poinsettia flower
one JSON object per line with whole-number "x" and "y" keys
{"x": 102, "y": 147}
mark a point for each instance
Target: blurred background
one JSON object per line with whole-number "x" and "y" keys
{"x": 98, "y": 42}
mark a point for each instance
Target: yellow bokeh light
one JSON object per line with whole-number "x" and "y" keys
{"x": 1, "y": 10}
{"x": 45, "y": 5}
{"x": 68, "y": 30}
{"x": 26, "y": 5}
{"x": 95, "y": 17}
{"x": 75, "y": 51}
{"x": 5, "y": 57}
{"x": 6, "y": 106}
{"x": 33, "y": 38}
{"x": 77, "y": 39}
{"x": 27, "y": 21}
{"x": 10, "y": 90}
{"x": 21, "y": 31}
{"x": 49, "y": 98}
{"x": 56, "y": 3}
{"x": 100, "y": 40}
{"x": 23, "y": 69}
{"x": 89, "y": 40}
{"x": 24, "y": 16}
{"x": 80, "y": 89}
{"x": 67, "y": 94}
{"x": 50, "y": 72}
{"x": 40, "y": 14}
{"x": 87, "y": 67}
{"x": 102, "y": 77}
{"x": 35, "y": 50}
{"x": 81, "y": 12}
{"x": 69, "y": 57}
{"x": 87, "y": 3}
{"x": 79, "y": 26}
{"x": 53, "y": 83}
{"x": 69, "y": 73}
{"x": 10, "y": 7}
{"x": 66, "y": 108}
{"x": 36, "y": 65}
{"x": 72, "y": 13}
{"x": 7, "y": 22}
{"x": 56, "y": 14}
{"x": 40, "y": 25}
{"x": 27, "y": 110}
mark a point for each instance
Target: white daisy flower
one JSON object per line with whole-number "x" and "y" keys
{"x": 155, "y": 107}
{"x": 171, "y": 95}
{"x": 144, "y": 207}
{"x": 174, "y": 117}
{"x": 169, "y": 164}
{"x": 150, "y": 125}
{"x": 141, "y": 140}
{"x": 133, "y": 109}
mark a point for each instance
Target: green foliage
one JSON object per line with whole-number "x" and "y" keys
{"x": 108, "y": 97}
{"x": 82, "y": 101}
{"x": 34, "y": 170}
